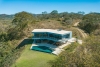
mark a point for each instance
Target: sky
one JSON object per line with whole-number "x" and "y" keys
{"x": 39, "y": 6}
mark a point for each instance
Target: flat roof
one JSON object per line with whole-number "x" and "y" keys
{"x": 57, "y": 31}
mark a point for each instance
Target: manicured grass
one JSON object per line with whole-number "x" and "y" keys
{"x": 31, "y": 58}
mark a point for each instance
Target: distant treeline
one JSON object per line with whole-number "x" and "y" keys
{"x": 5, "y": 16}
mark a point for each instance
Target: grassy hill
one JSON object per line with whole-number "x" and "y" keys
{"x": 31, "y": 58}
{"x": 14, "y": 30}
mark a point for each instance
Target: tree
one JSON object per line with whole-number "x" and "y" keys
{"x": 22, "y": 20}
{"x": 45, "y": 12}
{"x": 45, "y": 15}
{"x": 81, "y": 12}
{"x": 54, "y": 14}
{"x": 90, "y": 22}
{"x": 63, "y": 14}
{"x": 68, "y": 21}
{"x": 3, "y": 36}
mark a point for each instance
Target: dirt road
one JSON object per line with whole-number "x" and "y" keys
{"x": 84, "y": 35}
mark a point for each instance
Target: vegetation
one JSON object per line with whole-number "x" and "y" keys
{"x": 85, "y": 55}
{"x": 31, "y": 58}
{"x": 14, "y": 28}
{"x": 21, "y": 22}
{"x": 90, "y": 22}
{"x": 9, "y": 39}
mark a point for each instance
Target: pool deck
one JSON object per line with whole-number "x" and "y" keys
{"x": 57, "y": 50}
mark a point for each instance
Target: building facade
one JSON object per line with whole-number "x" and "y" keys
{"x": 51, "y": 36}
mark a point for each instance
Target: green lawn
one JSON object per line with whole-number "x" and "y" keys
{"x": 31, "y": 58}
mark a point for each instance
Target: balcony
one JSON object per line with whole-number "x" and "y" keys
{"x": 50, "y": 38}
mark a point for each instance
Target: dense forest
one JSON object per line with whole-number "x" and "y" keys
{"x": 14, "y": 28}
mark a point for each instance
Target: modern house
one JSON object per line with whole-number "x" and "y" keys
{"x": 47, "y": 35}
{"x": 50, "y": 40}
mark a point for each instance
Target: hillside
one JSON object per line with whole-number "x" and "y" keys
{"x": 16, "y": 30}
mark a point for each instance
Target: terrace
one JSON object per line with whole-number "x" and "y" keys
{"x": 52, "y": 39}
{"x": 49, "y": 48}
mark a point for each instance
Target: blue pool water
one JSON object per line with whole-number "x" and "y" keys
{"x": 42, "y": 49}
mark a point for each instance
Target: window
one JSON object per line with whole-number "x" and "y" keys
{"x": 45, "y": 34}
{"x": 67, "y": 35}
{"x": 51, "y": 35}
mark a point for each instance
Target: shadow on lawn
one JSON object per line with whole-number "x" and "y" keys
{"x": 25, "y": 42}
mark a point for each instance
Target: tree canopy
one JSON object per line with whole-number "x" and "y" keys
{"x": 90, "y": 22}
{"x": 22, "y": 20}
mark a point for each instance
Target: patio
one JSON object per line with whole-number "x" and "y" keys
{"x": 56, "y": 49}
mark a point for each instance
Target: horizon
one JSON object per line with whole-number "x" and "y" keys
{"x": 38, "y": 6}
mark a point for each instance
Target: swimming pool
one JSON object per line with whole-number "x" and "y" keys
{"x": 42, "y": 49}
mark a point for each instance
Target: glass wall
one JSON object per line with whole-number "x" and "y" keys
{"x": 55, "y": 36}
{"x": 49, "y": 35}
{"x": 40, "y": 35}
{"x": 67, "y": 36}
